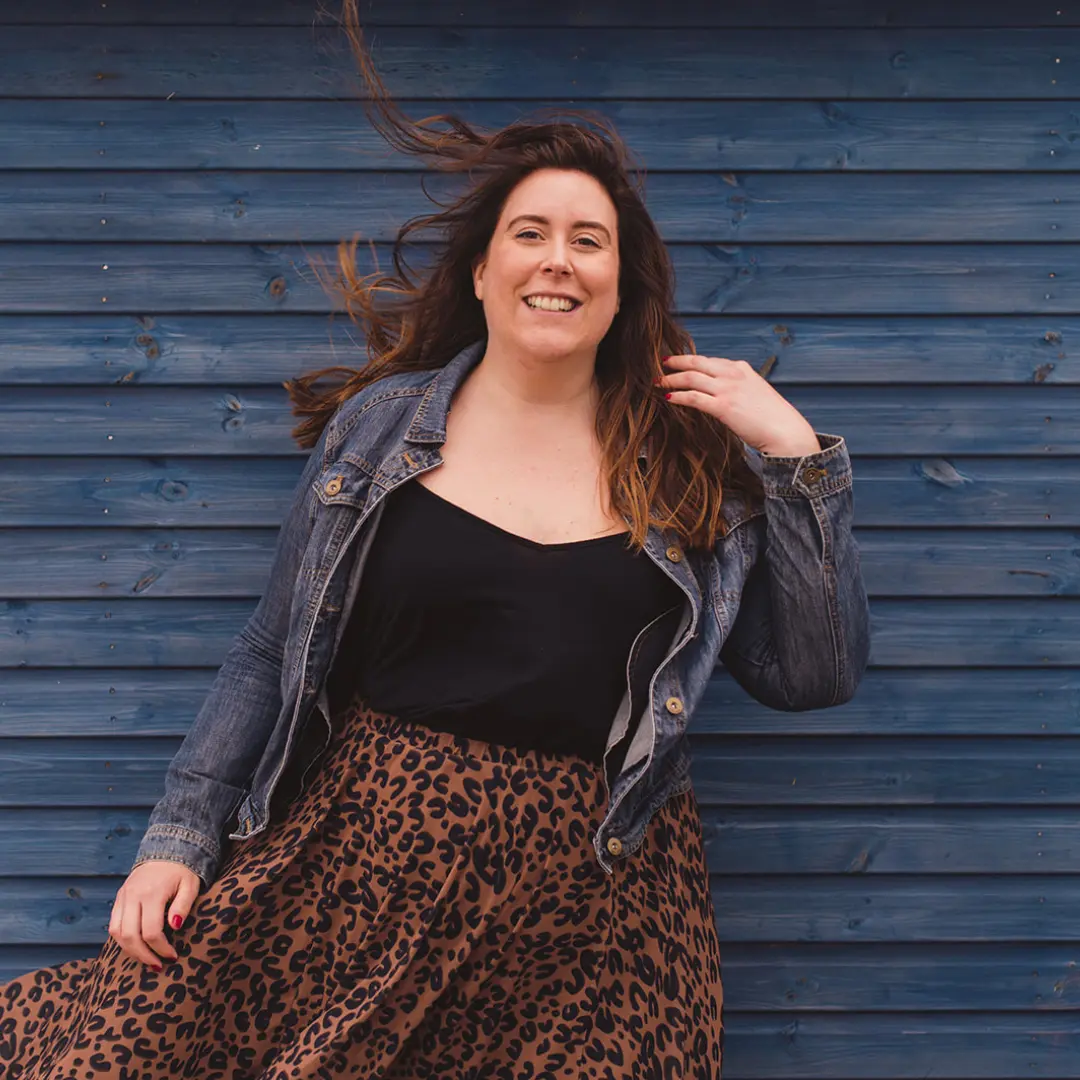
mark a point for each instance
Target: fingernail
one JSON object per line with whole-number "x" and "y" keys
{"x": 156, "y": 967}
{"x": 176, "y": 921}
{"x": 667, "y": 397}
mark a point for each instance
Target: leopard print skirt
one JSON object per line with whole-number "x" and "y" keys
{"x": 430, "y": 906}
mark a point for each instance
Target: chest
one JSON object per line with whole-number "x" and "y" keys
{"x": 543, "y": 483}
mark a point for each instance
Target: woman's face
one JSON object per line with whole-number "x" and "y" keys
{"x": 556, "y": 247}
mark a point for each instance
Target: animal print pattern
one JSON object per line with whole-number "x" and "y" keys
{"x": 430, "y": 906}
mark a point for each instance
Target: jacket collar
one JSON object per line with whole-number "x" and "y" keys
{"x": 429, "y": 422}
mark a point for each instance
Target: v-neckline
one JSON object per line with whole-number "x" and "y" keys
{"x": 525, "y": 540}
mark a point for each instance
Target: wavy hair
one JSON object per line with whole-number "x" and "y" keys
{"x": 416, "y": 322}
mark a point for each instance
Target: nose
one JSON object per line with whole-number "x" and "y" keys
{"x": 557, "y": 260}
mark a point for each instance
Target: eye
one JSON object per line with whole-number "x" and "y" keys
{"x": 525, "y": 231}
{"x": 591, "y": 240}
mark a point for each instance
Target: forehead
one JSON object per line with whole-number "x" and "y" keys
{"x": 561, "y": 193}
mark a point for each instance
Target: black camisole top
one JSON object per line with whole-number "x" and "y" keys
{"x": 464, "y": 627}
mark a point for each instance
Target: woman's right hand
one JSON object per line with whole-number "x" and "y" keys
{"x": 138, "y": 914}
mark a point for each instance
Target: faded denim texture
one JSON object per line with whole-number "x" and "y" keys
{"x": 780, "y": 600}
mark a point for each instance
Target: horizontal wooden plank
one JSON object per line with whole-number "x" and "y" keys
{"x": 886, "y": 977}
{"x": 69, "y": 910}
{"x": 871, "y": 1047}
{"x": 102, "y": 704}
{"x": 252, "y": 492}
{"x": 863, "y": 910}
{"x": 56, "y": 703}
{"x": 190, "y": 563}
{"x": 518, "y": 12}
{"x": 912, "y": 840}
{"x": 153, "y": 491}
{"x": 127, "y": 420}
{"x": 148, "y": 632}
{"x": 815, "y": 135}
{"x": 61, "y": 563}
{"x": 781, "y": 771}
{"x": 779, "y": 281}
{"x": 720, "y": 207}
{"x": 909, "y": 702}
{"x": 93, "y": 840}
{"x": 775, "y": 771}
{"x": 543, "y": 62}
{"x": 266, "y": 349}
{"x": 127, "y": 633}
{"x": 120, "y": 420}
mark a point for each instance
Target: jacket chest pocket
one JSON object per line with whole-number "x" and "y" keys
{"x": 345, "y": 482}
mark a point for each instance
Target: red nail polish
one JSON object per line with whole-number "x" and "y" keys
{"x": 667, "y": 397}
{"x": 176, "y": 921}
{"x": 157, "y": 968}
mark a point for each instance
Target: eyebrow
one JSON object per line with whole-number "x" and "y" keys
{"x": 576, "y": 225}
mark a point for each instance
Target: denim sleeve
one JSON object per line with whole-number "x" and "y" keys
{"x": 207, "y": 777}
{"x": 801, "y": 638}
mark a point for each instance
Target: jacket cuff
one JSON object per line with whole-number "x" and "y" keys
{"x": 174, "y": 843}
{"x": 810, "y": 476}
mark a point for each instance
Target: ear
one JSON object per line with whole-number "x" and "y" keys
{"x": 479, "y": 266}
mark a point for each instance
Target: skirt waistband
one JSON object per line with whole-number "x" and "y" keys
{"x": 426, "y": 738}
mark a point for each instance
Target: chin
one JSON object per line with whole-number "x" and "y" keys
{"x": 553, "y": 346}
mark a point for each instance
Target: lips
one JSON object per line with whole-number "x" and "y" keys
{"x": 551, "y": 302}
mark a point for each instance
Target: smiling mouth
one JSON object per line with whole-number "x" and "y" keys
{"x": 557, "y": 304}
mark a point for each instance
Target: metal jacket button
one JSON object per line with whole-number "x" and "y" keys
{"x": 673, "y": 705}
{"x": 812, "y": 474}
{"x": 674, "y": 554}
{"x": 614, "y": 846}
{"x": 333, "y": 486}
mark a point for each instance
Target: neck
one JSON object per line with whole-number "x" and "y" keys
{"x": 528, "y": 384}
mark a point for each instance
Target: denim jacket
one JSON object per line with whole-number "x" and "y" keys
{"x": 779, "y": 599}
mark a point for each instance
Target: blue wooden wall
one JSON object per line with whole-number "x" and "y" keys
{"x": 883, "y": 198}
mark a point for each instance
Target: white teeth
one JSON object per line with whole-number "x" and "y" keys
{"x": 550, "y": 303}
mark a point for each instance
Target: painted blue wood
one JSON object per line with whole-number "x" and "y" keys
{"x": 1040, "y": 492}
{"x": 251, "y": 350}
{"x": 147, "y": 632}
{"x": 774, "y": 280}
{"x": 207, "y": 563}
{"x": 903, "y": 703}
{"x": 545, "y": 61}
{"x": 92, "y": 840}
{"x": 719, "y": 207}
{"x": 791, "y": 135}
{"x": 866, "y": 204}
{"x": 642, "y": 13}
{"x": 130, "y": 420}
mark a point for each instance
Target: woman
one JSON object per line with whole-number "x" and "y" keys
{"x": 451, "y": 739}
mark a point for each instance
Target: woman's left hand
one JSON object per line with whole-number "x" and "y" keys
{"x": 733, "y": 392}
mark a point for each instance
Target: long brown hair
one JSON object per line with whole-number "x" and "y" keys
{"x": 415, "y": 323}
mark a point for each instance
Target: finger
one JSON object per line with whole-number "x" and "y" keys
{"x": 153, "y": 929}
{"x": 694, "y": 398}
{"x": 180, "y": 908}
{"x": 116, "y": 918}
{"x": 690, "y": 380}
{"x": 711, "y": 365}
{"x": 131, "y": 934}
